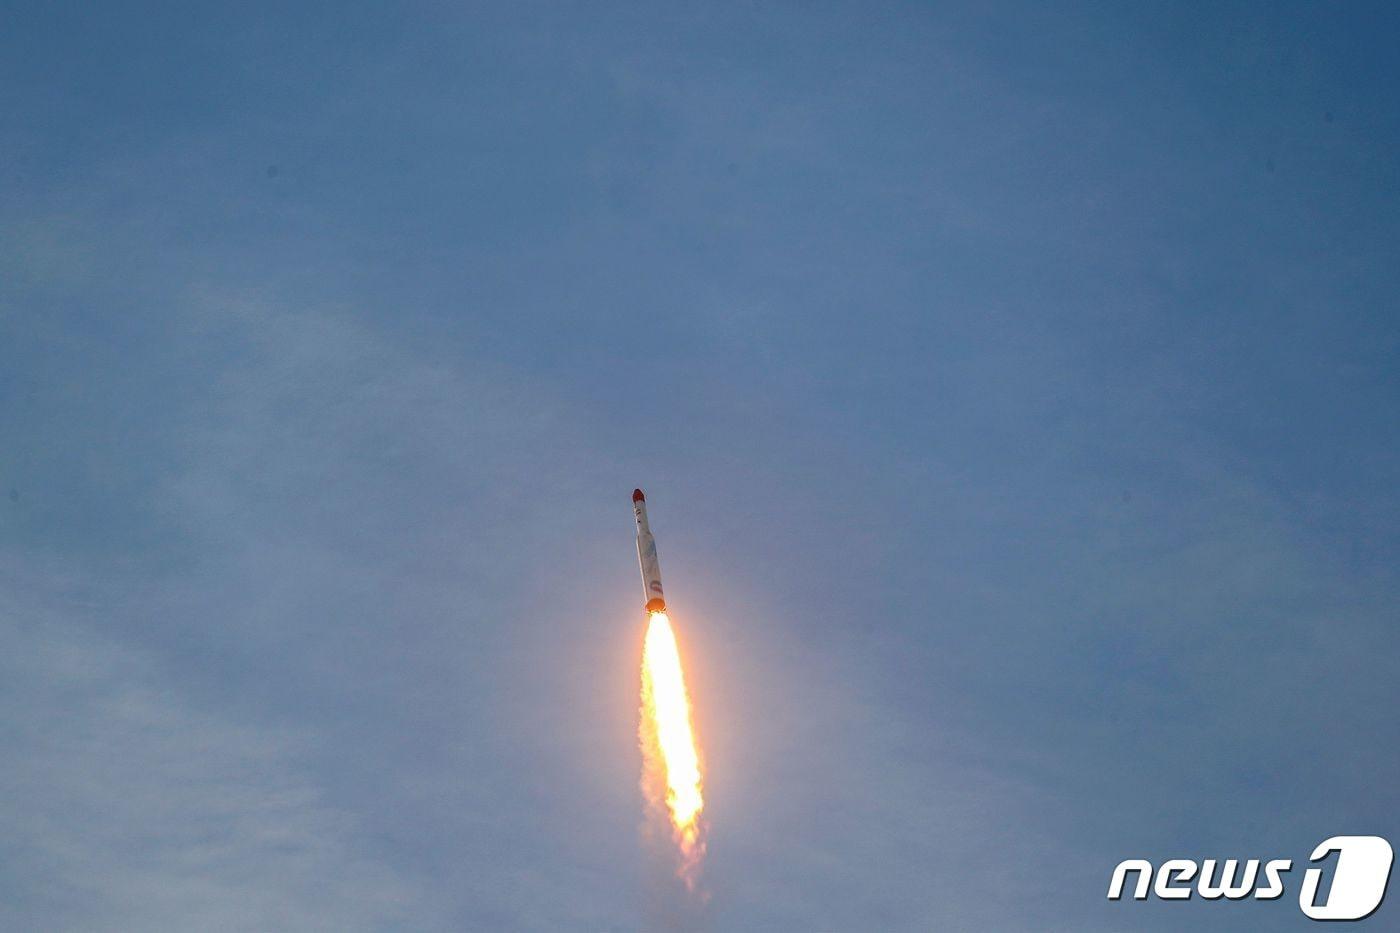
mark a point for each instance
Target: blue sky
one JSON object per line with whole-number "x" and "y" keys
{"x": 1015, "y": 390}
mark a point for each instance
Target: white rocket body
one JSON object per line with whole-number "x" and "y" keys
{"x": 646, "y": 556}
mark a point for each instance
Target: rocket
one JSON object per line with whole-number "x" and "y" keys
{"x": 646, "y": 555}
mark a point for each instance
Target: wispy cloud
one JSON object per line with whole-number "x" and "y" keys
{"x": 129, "y": 807}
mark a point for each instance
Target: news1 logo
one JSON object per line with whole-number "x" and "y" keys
{"x": 1359, "y": 879}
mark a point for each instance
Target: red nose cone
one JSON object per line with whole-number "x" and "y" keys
{"x": 637, "y": 496}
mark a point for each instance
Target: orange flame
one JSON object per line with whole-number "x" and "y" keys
{"x": 668, "y": 745}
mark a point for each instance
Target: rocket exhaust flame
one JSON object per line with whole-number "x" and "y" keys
{"x": 671, "y": 774}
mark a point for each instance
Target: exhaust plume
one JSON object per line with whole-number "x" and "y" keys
{"x": 671, "y": 773}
